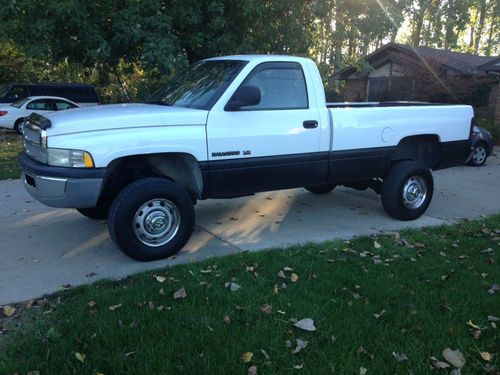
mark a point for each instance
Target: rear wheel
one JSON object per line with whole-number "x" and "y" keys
{"x": 407, "y": 190}
{"x": 479, "y": 155}
{"x": 151, "y": 219}
{"x": 321, "y": 189}
{"x": 17, "y": 124}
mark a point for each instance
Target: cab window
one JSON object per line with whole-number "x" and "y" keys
{"x": 281, "y": 85}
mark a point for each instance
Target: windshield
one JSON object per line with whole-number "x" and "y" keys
{"x": 20, "y": 102}
{"x": 199, "y": 86}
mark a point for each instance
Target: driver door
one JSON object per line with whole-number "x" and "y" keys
{"x": 272, "y": 145}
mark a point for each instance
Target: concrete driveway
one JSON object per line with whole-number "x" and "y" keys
{"x": 43, "y": 248}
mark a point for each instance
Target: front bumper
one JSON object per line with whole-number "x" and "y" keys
{"x": 61, "y": 187}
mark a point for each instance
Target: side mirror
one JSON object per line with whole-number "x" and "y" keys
{"x": 244, "y": 96}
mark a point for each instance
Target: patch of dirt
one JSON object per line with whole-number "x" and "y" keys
{"x": 8, "y": 136}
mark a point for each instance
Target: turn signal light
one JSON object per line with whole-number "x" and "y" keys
{"x": 3, "y": 113}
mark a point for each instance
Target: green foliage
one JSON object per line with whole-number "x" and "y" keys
{"x": 146, "y": 42}
{"x": 490, "y": 126}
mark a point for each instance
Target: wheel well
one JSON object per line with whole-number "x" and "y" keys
{"x": 183, "y": 169}
{"x": 423, "y": 148}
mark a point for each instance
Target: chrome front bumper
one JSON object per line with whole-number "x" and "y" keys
{"x": 61, "y": 187}
{"x": 63, "y": 192}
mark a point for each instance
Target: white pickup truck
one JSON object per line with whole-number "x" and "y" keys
{"x": 228, "y": 127}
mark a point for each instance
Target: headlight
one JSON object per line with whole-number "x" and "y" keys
{"x": 59, "y": 157}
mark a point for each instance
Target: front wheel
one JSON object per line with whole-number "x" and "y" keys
{"x": 479, "y": 155}
{"x": 151, "y": 219}
{"x": 407, "y": 190}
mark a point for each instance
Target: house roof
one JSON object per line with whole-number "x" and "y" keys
{"x": 492, "y": 66}
{"x": 462, "y": 63}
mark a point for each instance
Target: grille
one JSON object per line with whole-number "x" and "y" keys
{"x": 32, "y": 139}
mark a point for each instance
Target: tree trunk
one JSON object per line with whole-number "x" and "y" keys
{"x": 471, "y": 40}
{"x": 339, "y": 35}
{"x": 418, "y": 21}
{"x": 480, "y": 26}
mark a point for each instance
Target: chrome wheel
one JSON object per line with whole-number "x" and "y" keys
{"x": 156, "y": 222}
{"x": 414, "y": 192}
{"x": 479, "y": 155}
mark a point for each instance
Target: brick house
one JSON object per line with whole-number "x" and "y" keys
{"x": 403, "y": 72}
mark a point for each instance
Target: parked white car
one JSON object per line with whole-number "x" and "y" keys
{"x": 11, "y": 116}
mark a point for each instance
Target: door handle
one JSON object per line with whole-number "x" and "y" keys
{"x": 310, "y": 124}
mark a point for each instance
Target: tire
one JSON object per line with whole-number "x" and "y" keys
{"x": 479, "y": 154}
{"x": 17, "y": 124}
{"x": 321, "y": 189}
{"x": 407, "y": 190}
{"x": 98, "y": 212}
{"x": 150, "y": 219}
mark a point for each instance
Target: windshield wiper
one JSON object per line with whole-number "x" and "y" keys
{"x": 159, "y": 102}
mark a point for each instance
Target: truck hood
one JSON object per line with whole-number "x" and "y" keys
{"x": 114, "y": 116}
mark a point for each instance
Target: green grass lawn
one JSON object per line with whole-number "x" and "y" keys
{"x": 10, "y": 146}
{"x": 411, "y": 293}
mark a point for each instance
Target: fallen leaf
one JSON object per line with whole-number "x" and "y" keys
{"x": 439, "y": 364}
{"x": 252, "y": 370}
{"x": 181, "y": 293}
{"x": 455, "y": 357}
{"x": 294, "y": 277}
{"x": 208, "y": 270}
{"x": 129, "y": 354}
{"x": 492, "y": 318}
{"x": 298, "y": 367}
{"x": 287, "y": 269}
{"x": 91, "y": 304}
{"x": 306, "y": 324}
{"x": 8, "y": 310}
{"x": 494, "y": 288}
{"x": 301, "y": 344}
{"x": 80, "y": 356}
{"x": 160, "y": 279}
{"x": 486, "y": 356}
{"x": 227, "y": 320}
{"x": 376, "y": 245}
{"x": 470, "y": 324}
{"x": 476, "y": 333}
{"x": 246, "y": 357}
{"x": 281, "y": 274}
{"x": 114, "y": 307}
{"x": 264, "y": 353}
{"x": 379, "y": 314}
{"x": 266, "y": 309}
{"x": 400, "y": 357}
{"x": 151, "y": 305}
{"x": 162, "y": 292}
{"x": 363, "y": 371}
{"x": 233, "y": 287}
